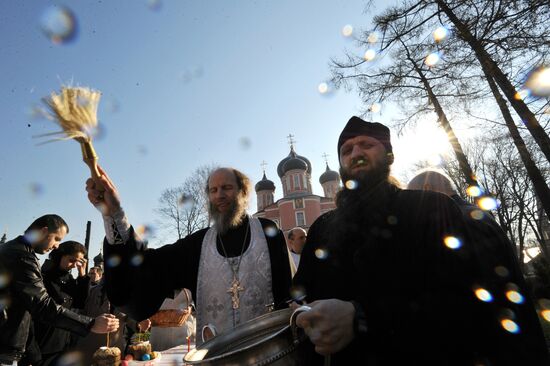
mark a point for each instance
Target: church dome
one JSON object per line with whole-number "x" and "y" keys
{"x": 328, "y": 176}
{"x": 265, "y": 185}
{"x": 293, "y": 161}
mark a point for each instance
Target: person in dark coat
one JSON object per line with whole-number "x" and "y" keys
{"x": 394, "y": 277}
{"x": 66, "y": 291}
{"x": 27, "y": 298}
{"x": 237, "y": 270}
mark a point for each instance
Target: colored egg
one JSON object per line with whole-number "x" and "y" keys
{"x": 146, "y": 357}
{"x": 129, "y": 357}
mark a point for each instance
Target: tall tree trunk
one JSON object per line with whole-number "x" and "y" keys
{"x": 539, "y": 184}
{"x": 490, "y": 67}
{"x": 444, "y": 122}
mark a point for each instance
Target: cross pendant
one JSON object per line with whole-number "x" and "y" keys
{"x": 234, "y": 291}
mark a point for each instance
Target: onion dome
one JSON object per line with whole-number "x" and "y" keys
{"x": 293, "y": 161}
{"x": 329, "y": 176}
{"x": 265, "y": 185}
{"x": 98, "y": 260}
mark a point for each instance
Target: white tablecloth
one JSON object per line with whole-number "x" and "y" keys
{"x": 169, "y": 357}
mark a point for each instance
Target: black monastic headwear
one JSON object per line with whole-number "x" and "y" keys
{"x": 357, "y": 127}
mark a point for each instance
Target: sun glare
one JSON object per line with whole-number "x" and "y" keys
{"x": 426, "y": 142}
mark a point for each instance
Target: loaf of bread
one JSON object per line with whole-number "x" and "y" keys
{"x": 106, "y": 356}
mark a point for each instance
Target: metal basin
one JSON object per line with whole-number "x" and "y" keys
{"x": 270, "y": 339}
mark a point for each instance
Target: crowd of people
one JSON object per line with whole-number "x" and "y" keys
{"x": 391, "y": 276}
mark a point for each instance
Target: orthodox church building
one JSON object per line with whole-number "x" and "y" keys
{"x": 298, "y": 206}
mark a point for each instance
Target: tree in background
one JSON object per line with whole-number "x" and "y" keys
{"x": 183, "y": 209}
{"x": 495, "y": 45}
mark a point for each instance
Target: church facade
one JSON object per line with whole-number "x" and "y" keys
{"x": 299, "y": 206}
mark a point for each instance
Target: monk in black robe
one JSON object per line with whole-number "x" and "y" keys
{"x": 236, "y": 270}
{"x": 393, "y": 277}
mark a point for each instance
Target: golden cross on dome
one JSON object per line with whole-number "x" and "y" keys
{"x": 263, "y": 164}
{"x": 291, "y": 140}
{"x": 325, "y": 156}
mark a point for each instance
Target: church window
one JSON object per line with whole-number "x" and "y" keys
{"x": 305, "y": 181}
{"x": 288, "y": 184}
{"x": 296, "y": 181}
{"x": 300, "y": 219}
{"x": 298, "y": 203}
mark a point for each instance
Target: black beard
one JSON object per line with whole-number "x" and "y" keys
{"x": 359, "y": 209}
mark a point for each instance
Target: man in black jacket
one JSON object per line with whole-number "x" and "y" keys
{"x": 27, "y": 298}
{"x": 394, "y": 277}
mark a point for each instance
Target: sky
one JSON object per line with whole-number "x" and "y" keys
{"x": 184, "y": 83}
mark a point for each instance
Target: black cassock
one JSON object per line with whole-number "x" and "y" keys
{"x": 423, "y": 301}
{"x": 142, "y": 279}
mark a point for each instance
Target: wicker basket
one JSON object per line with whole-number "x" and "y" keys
{"x": 172, "y": 317}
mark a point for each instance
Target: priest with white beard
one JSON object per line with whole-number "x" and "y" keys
{"x": 237, "y": 270}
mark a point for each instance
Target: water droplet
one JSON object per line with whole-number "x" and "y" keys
{"x": 351, "y": 184}
{"x": 137, "y": 260}
{"x": 323, "y": 88}
{"x": 187, "y": 202}
{"x": 375, "y": 107}
{"x": 113, "y": 261}
{"x": 297, "y": 293}
{"x": 487, "y": 203}
{"x": 154, "y": 5}
{"x": 510, "y": 326}
{"x": 113, "y": 106}
{"x": 245, "y": 143}
{"x": 73, "y": 358}
{"x": 36, "y": 189}
{"x": 373, "y": 37}
{"x": 59, "y": 24}
{"x": 452, "y": 242}
{"x": 522, "y": 94}
{"x": 321, "y": 253}
{"x": 432, "y": 59}
{"x": 545, "y": 315}
{"x": 4, "y": 280}
{"x": 514, "y": 297}
{"x": 142, "y": 150}
{"x": 145, "y": 231}
{"x": 474, "y": 191}
{"x": 347, "y": 31}
{"x": 477, "y": 215}
{"x": 271, "y": 231}
{"x": 370, "y": 54}
{"x": 483, "y": 295}
{"x": 440, "y": 33}
{"x": 538, "y": 81}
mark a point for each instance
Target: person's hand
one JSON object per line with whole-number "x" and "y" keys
{"x": 81, "y": 266}
{"x": 105, "y": 323}
{"x": 103, "y": 194}
{"x": 329, "y": 324}
{"x": 144, "y": 325}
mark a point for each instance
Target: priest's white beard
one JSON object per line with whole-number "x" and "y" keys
{"x": 232, "y": 218}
